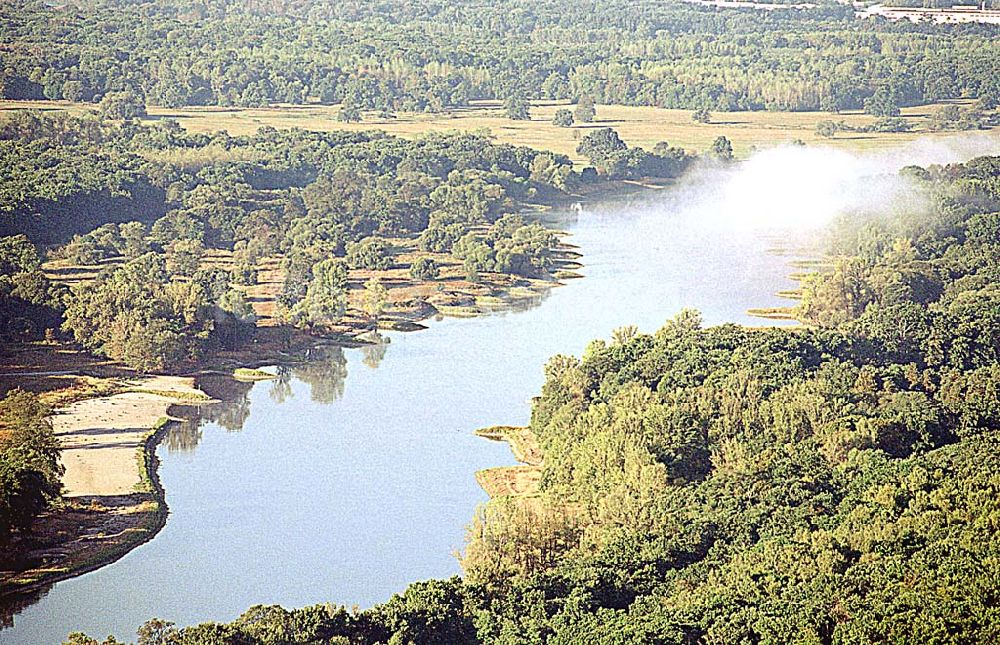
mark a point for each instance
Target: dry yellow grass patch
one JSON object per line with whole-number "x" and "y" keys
{"x": 643, "y": 126}
{"x": 520, "y": 481}
{"x": 516, "y": 481}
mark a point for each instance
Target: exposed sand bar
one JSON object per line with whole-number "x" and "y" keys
{"x": 113, "y": 501}
{"x": 100, "y": 436}
{"x": 518, "y": 481}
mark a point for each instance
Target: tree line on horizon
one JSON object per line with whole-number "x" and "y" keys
{"x": 421, "y": 55}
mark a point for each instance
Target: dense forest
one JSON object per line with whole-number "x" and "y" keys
{"x": 423, "y": 55}
{"x": 836, "y": 483}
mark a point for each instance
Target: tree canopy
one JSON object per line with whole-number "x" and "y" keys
{"x": 444, "y": 55}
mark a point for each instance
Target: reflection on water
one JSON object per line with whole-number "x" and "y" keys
{"x": 521, "y": 305}
{"x": 183, "y": 436}
{"x": 325, "y": 373}
{"x": 230, "y": 413}
{"x": 13, "y": 605}
{"x": 281, "y": 387}
{"x": 374, "y": 353}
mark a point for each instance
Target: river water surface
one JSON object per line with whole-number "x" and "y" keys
{"x": 353, "y": 475}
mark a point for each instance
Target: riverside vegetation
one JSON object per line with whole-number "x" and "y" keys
{"x": 834, "y": 483}
{"x": 831, "y": 483}
{"x": 153, "y": 240}
{"x": 145, "y": 207}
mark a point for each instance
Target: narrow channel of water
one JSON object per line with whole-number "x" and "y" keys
{"x": 352, "y": 476}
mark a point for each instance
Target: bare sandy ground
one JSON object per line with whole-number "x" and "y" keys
{"x": 523, "y": 480}
{"x": 100, "y": 436}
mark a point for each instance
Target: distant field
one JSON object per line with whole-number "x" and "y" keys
{"x": 643, "y": 126}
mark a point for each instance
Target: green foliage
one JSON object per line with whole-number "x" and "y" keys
{"x": 183, "y": 257}
{"x": 585, "y": 110}
{"x": 325, "y": 299}
{"x": 818, "y": 485}
{"x": 722, "y": 149}
{"x": 61, "y": 175}
{"x": 371, "y": 253}
{"x": 827, "y": 129}
{"x": 836, "y": 483}
{"x": 953, "y": 117}
{"x": 883, "y": 102}
{"x": 307, "y": 196}
{"x": 30, "y": 472}
{"x": 424, "y": 268}
{"x": 29, "y": 304}
{"x": 135, "y": 314}
{"x": 516, "y": 108}
{"x": 614, "y": 159}
{"x": 432, "y": 612}
{"x": 891, "y": 124}
{"x": 122, "y": 106}
{"x": 439, "y": 57}
{"x": 349, "y": 113}
{"x": 509, "y": 246}
{"x": 563, "y": 118}
{"x": 79, "y": 638}
{"x": 375, "y": 298}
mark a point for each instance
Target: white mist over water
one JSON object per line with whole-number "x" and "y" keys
{"x": 799, "y": 188}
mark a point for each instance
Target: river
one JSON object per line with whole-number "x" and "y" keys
{"x": 353, "y": 475}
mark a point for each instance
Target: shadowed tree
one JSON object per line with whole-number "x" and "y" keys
{"x": 563, "y": 118}
{"x": 517, "y": 108}
{"x": 585, "y": 109}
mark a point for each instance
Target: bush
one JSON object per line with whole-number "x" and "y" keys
{"x": 563, "y": 118}
{"x": 424, "y": 268}
{"x": 371, "y": 253}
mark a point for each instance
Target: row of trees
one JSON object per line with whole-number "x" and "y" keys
{"x": 665, "y": 54}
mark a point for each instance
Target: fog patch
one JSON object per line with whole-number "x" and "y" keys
{"x": 801, "y": 189}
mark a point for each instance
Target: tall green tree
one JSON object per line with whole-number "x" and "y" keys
{"x": 517, "y": 108}
{"x": 585, "y": 109}
{"x": 325, "y": 299}
{"x": 30, "y": 472}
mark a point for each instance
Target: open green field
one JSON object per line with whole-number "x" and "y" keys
{"x": 643, "y": 126}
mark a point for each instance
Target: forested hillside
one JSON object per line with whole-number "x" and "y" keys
{"x": 837, "y": 483}
{"x": 422, "y": 55}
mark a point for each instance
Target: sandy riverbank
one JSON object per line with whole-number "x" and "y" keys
{"x": 100, "y": 436}
{"x": 112, "y": 498}
{"x": 522, "y": 480}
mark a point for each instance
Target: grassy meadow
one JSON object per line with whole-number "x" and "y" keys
{"x": 643, "y": 126}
